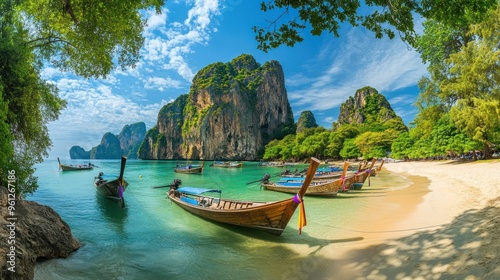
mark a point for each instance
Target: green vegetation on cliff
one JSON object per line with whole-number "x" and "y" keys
{"x": 367, "y": 127}
{"x": 231, "y": 111}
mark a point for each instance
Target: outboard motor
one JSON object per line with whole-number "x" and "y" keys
{"x": 173, "y": 188}
{"x": 266, "y": 178}
{"x": 175, "y": 184}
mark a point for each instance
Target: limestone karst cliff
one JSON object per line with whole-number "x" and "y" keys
{"x": 114, "y": 146}
{"x": 367, "y": 106}
{"x": 231, "y": 111}
{"x": 306, "y": 120}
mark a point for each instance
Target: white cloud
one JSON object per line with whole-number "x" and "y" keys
{"x": 156, "y": 21}
{"x": 94, "y": 109}
{"x": 402, "y": 100}
{"x": 49, "y": 73}
{"x": 161, "y": 84}
{"x": 362, "y": 60}
{"x": 202, "y": 12}
{"x": 178, "y": 39}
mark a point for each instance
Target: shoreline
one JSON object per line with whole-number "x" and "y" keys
{"x": 444, "y": 224}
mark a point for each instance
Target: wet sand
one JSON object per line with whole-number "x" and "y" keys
{"x": 443, "y": 224}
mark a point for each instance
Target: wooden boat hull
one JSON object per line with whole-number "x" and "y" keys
{"x": 75, "y": 168}
{"x": 316, "y": 188}
{"x": 321, "y": 177}
{"x": 193, "y": 170}
{"x": 224, "y": 165}
{"x": 110, "y": 189}
{"x": 65, "y": 167}
{"x": 328, "y": 188}
{"x": 269, "y": 217}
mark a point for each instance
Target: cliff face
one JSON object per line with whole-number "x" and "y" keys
{"x": 131, "y": 138}
{"x": 367, "y": 106}
{"x": 108, "y": 149}
{"x": 37, "y": 233}
{"x": 306, "y": 120}
{"x": 232, "y": 110}
{"x": 113, "y": 147}
{"x": 79, "y": 153}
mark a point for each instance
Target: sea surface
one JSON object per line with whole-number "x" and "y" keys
{"x": 152, "y": 238}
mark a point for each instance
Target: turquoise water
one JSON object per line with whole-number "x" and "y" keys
{"x": 154, "y": 239}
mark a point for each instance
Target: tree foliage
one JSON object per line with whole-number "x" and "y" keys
{"x": 87, "y": 36}
{"x": 382, "y": 17}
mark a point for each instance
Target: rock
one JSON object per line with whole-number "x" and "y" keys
{"x": 39, "y": 234}
{"x": 306, "y": 120}
{"x": 108, "y": 149}
{"x": 131, "y": 138}
{"x": 367, "y": 106}
{"x": 112, "y": 146}
{"x": 77, "y": 152}
{"x": 231, "y": 112}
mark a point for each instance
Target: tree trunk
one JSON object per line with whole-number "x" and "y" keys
{"x": 487, "y": 151}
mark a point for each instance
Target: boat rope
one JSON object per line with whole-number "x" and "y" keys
{"x": 302, "y": 212}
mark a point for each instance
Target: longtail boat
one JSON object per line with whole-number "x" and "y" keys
{"x": 227, "y": 164}
{"x": 376, "y": 169}
{"x": 271, "y": 217}
{"x": 189, "y": 168}
{"x": 271, "y": 164}
{"x": 70, "y": 167}
{"x": 317, "y": 188}
{"x": 111, "y": 186}
{"x": 362, "y": 174}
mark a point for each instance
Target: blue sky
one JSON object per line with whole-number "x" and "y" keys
{"x": 320, "y": 73}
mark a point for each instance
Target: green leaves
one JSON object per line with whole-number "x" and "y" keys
{"x": 86, "y": 37}
{"x": 383, "y": 18}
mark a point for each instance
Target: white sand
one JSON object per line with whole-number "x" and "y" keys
{"x": 447, "y": 226}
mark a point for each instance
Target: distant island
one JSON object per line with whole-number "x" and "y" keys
{"x": 114, "y": 146}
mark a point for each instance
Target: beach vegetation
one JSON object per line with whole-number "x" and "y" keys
{"x": 463, "y": 89}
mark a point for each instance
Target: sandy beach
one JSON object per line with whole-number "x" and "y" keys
{"x": 443, "y": 224}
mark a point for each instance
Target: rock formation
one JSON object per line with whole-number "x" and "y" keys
{"x": 306, "y": 120}
{"x": 78, "y": 152}
{"x": 37, "y": 233}
{"x": 108, "y": 149}
{"x": 112, "y": 146}
{"x": 232, "y": 110}
{"x": 367, "y": 106}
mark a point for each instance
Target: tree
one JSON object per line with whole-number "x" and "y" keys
{"x": 474, "y": 81}
{"x": 337, "y": 138}
{"x": 383, "y": 17}
{"x": 74, "y": 35}
{"x": 349, "y": 150}
{"x": 374, "y": 144}
{"x": 401, "y": 146}
{"x": 87, "y": 37}
{"x": 29, "y": 103}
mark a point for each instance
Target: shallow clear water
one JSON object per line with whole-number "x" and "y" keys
{"x": 154, "y": 239}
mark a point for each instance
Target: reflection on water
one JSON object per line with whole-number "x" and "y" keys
{"x": 112, "y": 212}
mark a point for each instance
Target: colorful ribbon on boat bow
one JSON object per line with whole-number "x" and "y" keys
{"x": 120, "y": 191}
{"x": 302, "y": 212}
